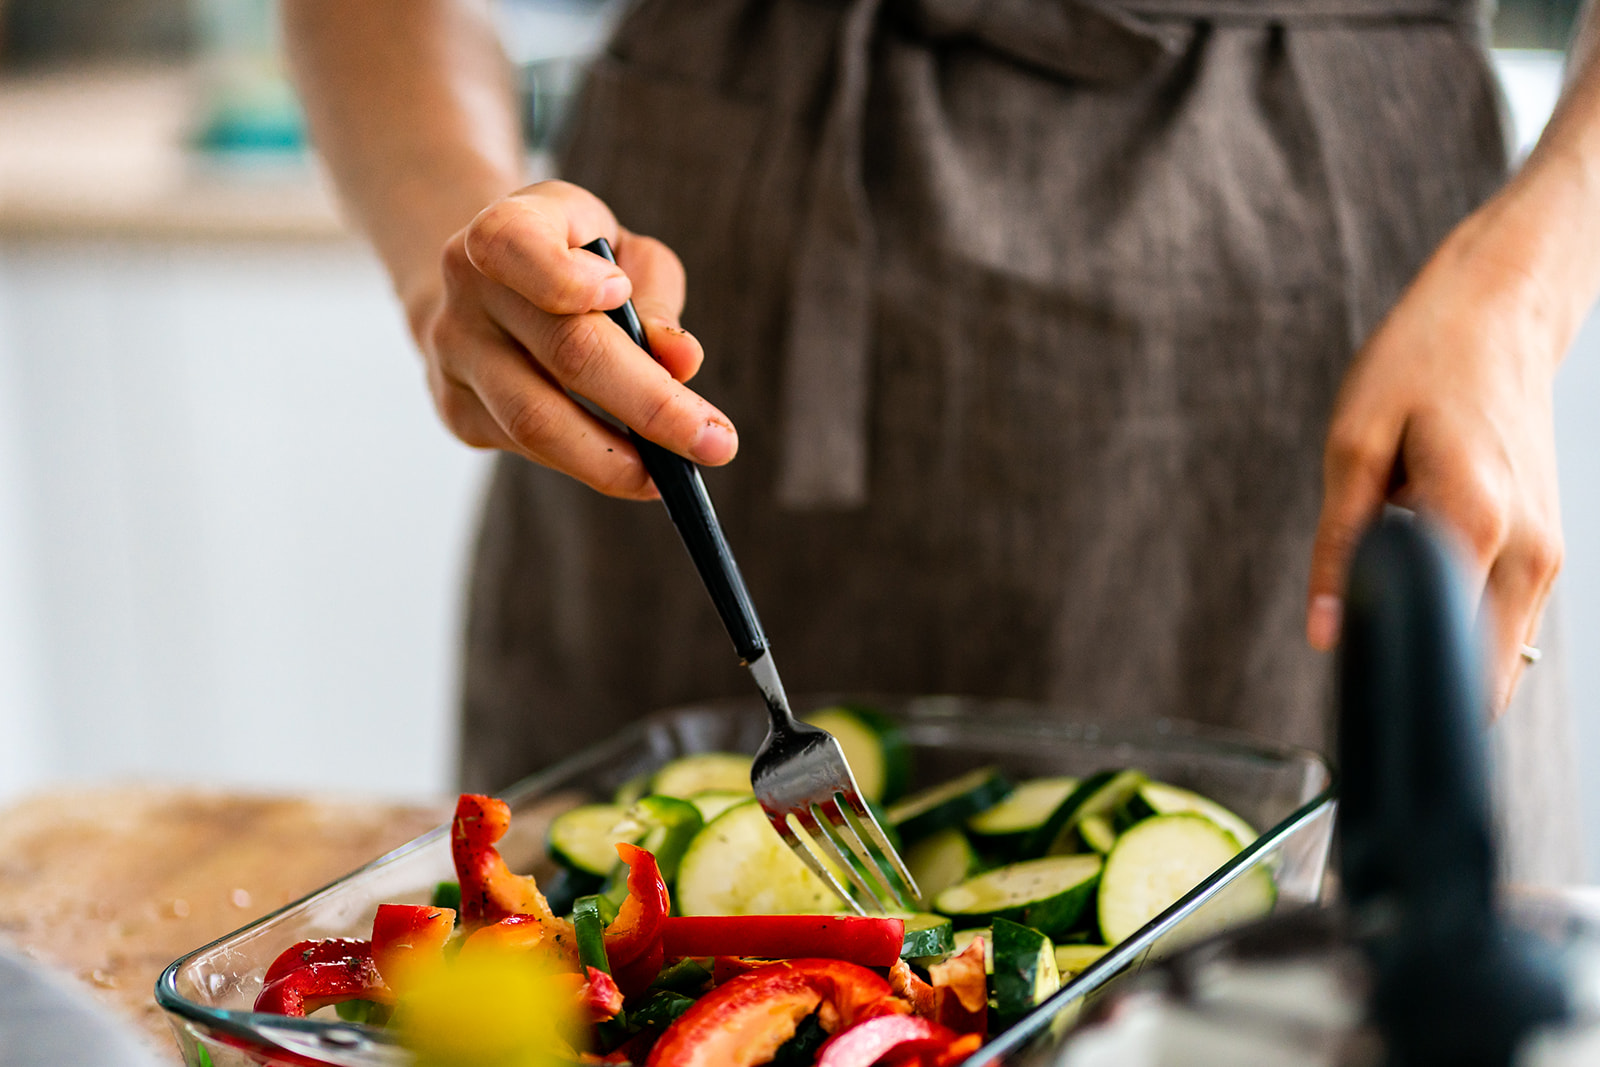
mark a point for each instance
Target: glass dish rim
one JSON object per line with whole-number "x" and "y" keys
{"x": 928, "y": 708}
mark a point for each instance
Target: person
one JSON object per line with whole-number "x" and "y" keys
{"x": 1032, "y": 322}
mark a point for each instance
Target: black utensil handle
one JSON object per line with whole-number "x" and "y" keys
{"x": 689, "y": 505}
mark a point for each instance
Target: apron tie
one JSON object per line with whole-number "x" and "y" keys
{"x": 827, "y": 372}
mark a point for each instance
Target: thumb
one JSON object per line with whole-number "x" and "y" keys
{"x": 1357, "y": 468}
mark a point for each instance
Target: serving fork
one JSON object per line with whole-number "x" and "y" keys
{"x": 800, "y": 775}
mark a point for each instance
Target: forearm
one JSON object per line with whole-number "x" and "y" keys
{"x": 1552, "y": 206}
{"x": 411, "y": 105}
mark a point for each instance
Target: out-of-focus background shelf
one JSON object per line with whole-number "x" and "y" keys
{"x": 102, "y": 151}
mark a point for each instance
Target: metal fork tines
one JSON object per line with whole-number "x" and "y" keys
{"x": 806, "y": 788}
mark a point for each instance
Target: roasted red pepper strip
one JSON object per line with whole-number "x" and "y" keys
{"x": 867, "y": 1042}
{"x": 327, "y": 981}
{"x": 635, "y": 976}
{"x": 489, "y": 891}
{"x": 961, "y": 990}
{"x": 743, "y": 1021}
{"x": 327, "y": 950}
{"x": 867, "y": 941}
{"x": 637, "y": 928}
{"x": 406, "y": 939}
{"x": 906, "y": 985}
{"x": 600, "y": 996}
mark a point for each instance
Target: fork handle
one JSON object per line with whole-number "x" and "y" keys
{"x": 689, "y": 505}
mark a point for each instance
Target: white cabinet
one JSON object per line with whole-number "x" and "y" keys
{"x": 232, "y": 535}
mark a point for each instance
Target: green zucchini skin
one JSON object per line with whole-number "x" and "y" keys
{"x": 1049, "y": 894}
{"x": 1025, "y": 973}
{"x": 584, "y": 838}
{"x": 874, "y": 746}
{"x": 1099, "y": 794}
{"x": 1002, "y": 832}
{"x": 949, "y": 803}
{"x": 1159, "y": 860}
{"x": 926, "y": 935}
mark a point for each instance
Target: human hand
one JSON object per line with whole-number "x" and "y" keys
{"x": 1447, "y": 411}
{"x": 513, "y": 327}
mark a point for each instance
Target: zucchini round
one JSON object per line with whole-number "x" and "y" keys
{"x": 926, "y": 934}
{"x": 585, "y": 838}
{"x": 1002, "y": 830}
{"x": 1098, "y": 794}
{"x": 948, "y": 803}
{"x": 713, "y": 802}
{"x": 738, "y": 865}
{"x": 940, "y": 860}
{"x": 1159, "y": 798}
{"x": 1074, "y": 959}
{"x": 874, "y": 746}
{"x": 688, "y": 775}
{"x": 1047, "y": 894}
{"x": 1158, "y": 861}
{"x": 1025, "y": 973}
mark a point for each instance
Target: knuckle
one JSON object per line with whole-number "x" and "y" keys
{"x": 490, "y": 235}
{"x": 664, "y": 411}
{"x": 528, "y": 419}
{"x": 575, "y": 344}
{"x": 1546, "y": 552}
{"x": 1482, "y": 512}
{"x": 1350, "y": 451}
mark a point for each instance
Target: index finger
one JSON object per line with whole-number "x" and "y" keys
{"x": 530, "y": 242}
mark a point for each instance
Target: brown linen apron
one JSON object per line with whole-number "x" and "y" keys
{"x": 1031, "y": 314}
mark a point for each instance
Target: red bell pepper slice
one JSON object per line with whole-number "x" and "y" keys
{"x": 635, "y": 976}
{"x": 870, "y": 942}
{"x": 919, "y": 994}
{"x": 326, "y": 950}
{"x": 637, "y": 927}
{"x": 317, "y": 984}
{"x": 600, "y": 995}
{"x": 948, "y": 1056}
{"x": 407, "y": 938}
{"x": 865, "y": 1043}
{"x": 489, "y": 891}
{"x": 961, "y": 990}
{"x": 743, "y": 1021}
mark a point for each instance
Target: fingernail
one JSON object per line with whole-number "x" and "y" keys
{"x": 1322, "y": 621}
{"x": 613, "y": 291}
{"x": 715, "y": 444}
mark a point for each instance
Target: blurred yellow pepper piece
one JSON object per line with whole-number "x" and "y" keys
{"x": 491, "y": 1009}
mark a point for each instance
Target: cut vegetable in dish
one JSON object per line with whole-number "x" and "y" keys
{"x": 585, "y": 838}
{"x": 1073, "y": 959}
{"x": 738, "y": 865}
{"x": 948, "y": 804}
{"x": 1098, "y": 794}
{"x": 1004, "y": 828}
{"x": 874, "y": 746}
{"x": 688, "y": 775}
{"x": 681, "y": 931}
{"x": 940, "y": 860}
{"x": 1025, "y": 973}
{"x": 1156, "y": 863}
{"x": 1159, "y": 798}
{"x": 1048, "y": 894}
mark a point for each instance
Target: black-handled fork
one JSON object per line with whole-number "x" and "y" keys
{"x": 800, "y": 772}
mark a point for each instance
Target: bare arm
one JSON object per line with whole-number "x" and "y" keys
{"x": 411, "y": 104}
{"x": 1454, "y": 390}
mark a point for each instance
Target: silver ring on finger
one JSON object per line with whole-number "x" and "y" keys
{"x": 1531, "y": 655}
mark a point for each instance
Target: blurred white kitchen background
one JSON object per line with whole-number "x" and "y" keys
{"x": 232, "y": 536}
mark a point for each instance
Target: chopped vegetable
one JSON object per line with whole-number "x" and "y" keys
{"x": 871, "y": 942}
{"x": 407, "y": 939}
{"x": 339, "y": 973}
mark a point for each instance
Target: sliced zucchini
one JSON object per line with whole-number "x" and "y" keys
{"x": 1074, "y": 959}
{"x": 705, "y": 770}
{"x": 1098, "y": 794}
{"x": 874, "y": 746}
{"x": 1025, "y": 973}
{"x": 1048, "y": 894}
{"x": 1002, "y": 830}
{"x": 965, "y": 938}
{"x": 632, "y": 789}
{"x": 713, "y": 802}
{"x": 1158, "y": 861}
{"x": 666, "y": 826}
{"x": 585, "y": 838}
{"x": 1097, "y": 833}
{"x": 940, "y": 860}
{"x": 949, "y": 803}
{"x": 926, "y": 934}
{"x": 1159, "y": 798}
{"x": 738, "y": 865}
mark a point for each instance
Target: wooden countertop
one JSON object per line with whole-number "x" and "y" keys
{"x": 111, "y": 885}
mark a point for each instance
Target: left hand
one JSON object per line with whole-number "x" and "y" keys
{"x": 1447, "y": 410}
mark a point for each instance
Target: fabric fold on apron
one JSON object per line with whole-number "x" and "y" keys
{"x": 824, "y": 453}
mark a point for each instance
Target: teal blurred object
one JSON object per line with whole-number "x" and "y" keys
{"x": 248, "y": 104}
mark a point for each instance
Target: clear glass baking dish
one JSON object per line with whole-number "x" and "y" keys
{"x": 208, "y": 993}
